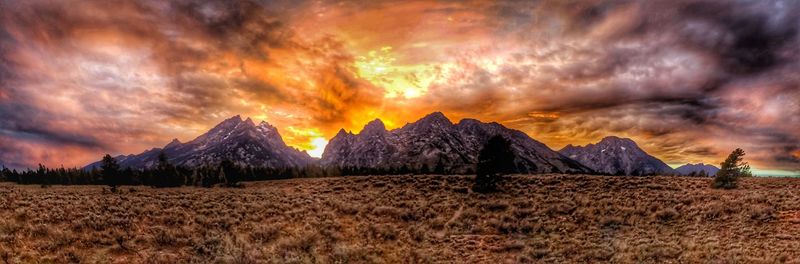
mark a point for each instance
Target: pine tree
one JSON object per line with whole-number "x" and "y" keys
{"x": 110, "y": 172}
{"x": 730, "y": 170}
{"x": 167, "y": 174}
{"x": 232, "y": 174}
{"x": 5, "y": 174}
{"x": 221, "y": 178}
{"x": 425, "y": 169}
{"x": 494, "y": 160}
{"x": 439, "y": 169}
{"x": 42, "y": 176}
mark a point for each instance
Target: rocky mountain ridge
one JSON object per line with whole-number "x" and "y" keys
{"x": 435, "y": 141}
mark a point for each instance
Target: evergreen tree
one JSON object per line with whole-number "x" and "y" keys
{"x": 494, "y": 160}
{"x": 439, "y": 168}
{"x": 167, "y": 174}
{"x": 221, "y": 178}
{"x": 42, "y": 176}
{"x": 404, "y": 169}
{"x": 110, "y": 172}
{"x": 730, "y": 170}
{"x": 231, "y": 173}
{"x": 425, "y": 169}
{"x": 5, "y": 174}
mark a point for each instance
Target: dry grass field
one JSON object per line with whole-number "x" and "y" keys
{"x": 407, "y": 219}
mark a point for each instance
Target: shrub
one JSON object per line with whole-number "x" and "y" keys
{"x": 667, "y": 215}
{"x": 164, "y": 237}
{"x": 265, "y": 234}
{"x": 495, "y": 206}
{"x": 382, "y": 232}
{"x": 612, "y": 222}
{"x": 762, "y": 213}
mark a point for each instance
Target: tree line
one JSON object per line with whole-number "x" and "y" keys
{"x": 165, "y": 174}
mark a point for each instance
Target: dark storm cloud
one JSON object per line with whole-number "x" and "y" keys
{"x": 14, "y": 129}
{"x": 752, "y": 35}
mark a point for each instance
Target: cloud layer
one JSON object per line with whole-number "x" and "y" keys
{"x": 689, "y": 80}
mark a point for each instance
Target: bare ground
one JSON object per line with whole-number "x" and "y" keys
{"x": 407, "y": 219}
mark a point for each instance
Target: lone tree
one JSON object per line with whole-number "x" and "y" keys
{"x": 730, "y": 171}
{"x": 494, "y": 160}
{"x": 110, "y": 172}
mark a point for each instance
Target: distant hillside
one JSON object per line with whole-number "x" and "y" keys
{"x": 695, "y": 169}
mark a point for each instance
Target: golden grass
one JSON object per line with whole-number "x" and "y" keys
{"x": 407, "y": 219}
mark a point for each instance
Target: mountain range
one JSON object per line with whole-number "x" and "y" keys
{"x": 433, "y": 142}
{"x": 617, "y": 156}
{"x": 689, "y": 169}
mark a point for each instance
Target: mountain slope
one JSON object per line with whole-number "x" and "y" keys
{"x": 617, "y": 156}
{"x": 434, "y": 140}
{"x": 688, "y": 169}
{"x": 240, "y": 141}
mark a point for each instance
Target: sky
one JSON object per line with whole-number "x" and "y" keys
{"x": 688, "y": 80}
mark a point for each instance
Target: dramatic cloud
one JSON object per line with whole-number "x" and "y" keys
{"x": 688, "y": 80}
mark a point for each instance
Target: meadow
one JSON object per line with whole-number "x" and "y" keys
{"x": 407, "y": 219}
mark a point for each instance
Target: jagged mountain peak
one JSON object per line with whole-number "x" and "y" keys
{"x": 342, "y": 132}
{"x": 227, "y": 124}
{"x": 466, "y": 122}
{"x": 250, "y": 122}
{"x": 618, "y": 141}
{"x": 435, "y": 117}
{"x": 374, "y": 126}
{"x": 264, "y": 124}
{"x": 232, "y": 120}
{"x": 469, "y": 121}
{"x": 617, "y": 156}
{"x": 174, "y": 143}
{"x": 429, "y": 123}
{"x": 266, "y": 128}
